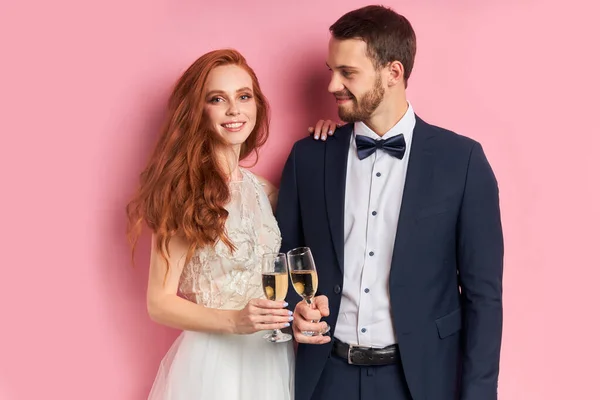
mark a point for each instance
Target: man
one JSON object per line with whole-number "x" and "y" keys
{"x": 409, "y": 248}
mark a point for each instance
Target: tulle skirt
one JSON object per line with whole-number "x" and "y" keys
{"x": 206, "y": 366}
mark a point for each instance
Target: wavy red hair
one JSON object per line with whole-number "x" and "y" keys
{"x": 183, "y": 190}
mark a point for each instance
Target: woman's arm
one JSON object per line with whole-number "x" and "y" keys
{"x": 166, "y": 308}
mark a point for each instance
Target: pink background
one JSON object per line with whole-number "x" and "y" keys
{"x": 83, "y": 85}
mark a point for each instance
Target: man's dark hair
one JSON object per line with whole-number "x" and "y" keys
{"x": 388, "y": 35}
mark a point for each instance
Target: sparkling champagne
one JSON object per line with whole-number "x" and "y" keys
{"x": 305, "y": 282}
{"x": 275, "y": 285}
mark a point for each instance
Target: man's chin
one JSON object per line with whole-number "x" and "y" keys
{"x": 346, "y": 117}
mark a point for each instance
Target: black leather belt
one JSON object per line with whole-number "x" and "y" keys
{"x": 360, "y": 355}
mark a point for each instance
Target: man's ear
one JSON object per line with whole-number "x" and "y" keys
{"x": 396, "y": 73}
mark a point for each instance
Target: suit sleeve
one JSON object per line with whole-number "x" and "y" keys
{"x": 288, "y": 213}
{"x": 480, "y": 269}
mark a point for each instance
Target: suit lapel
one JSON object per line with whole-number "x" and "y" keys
{"x": 336, "y": 163}
{"x": 418, "y": 181}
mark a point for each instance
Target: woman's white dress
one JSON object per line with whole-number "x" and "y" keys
{"x": 206, "y": 366}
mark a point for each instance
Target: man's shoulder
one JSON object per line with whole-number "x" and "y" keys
{"x": 446, "y": 137}
{"x": 310, "y": 144}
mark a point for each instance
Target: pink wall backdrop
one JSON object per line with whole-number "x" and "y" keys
{"x": 83, "y": 85}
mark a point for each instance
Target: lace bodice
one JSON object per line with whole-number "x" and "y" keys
{"x": 215, "y": 277}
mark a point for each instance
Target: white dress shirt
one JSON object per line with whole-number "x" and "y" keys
{"x": 374, "y": 189}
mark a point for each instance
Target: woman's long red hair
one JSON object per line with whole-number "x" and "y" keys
{"x": 183, "y": 189}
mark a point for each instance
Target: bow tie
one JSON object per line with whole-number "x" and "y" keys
{"x": 394, "y": 146}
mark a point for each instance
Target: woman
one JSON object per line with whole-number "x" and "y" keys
{"x": 212, "y": 221}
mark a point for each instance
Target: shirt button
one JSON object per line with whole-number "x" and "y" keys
{"x": 337, "y": 289}
{"x": 363, "y": 330}
{"x": 374, "y": 213}
{"x": 378, "y": 174}
{"x": 367, "y": 290}
{"x": 371, "y": 253}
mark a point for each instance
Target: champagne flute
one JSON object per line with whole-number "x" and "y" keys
{"x": 275, "y": 285}
{"x": 304, "y": 278}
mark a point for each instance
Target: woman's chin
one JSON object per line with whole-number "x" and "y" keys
{"x": 235, "y": 138}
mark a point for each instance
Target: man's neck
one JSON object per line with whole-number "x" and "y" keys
{"x": 386, "y": 116}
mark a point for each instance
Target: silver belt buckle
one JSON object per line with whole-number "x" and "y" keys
{"x": 353, "y": 346}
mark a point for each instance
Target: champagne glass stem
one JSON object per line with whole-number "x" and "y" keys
{"x": 314, "y": 321}
{"x": 310, "y": 304}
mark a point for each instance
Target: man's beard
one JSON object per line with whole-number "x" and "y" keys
{"x": 362, "y": 109}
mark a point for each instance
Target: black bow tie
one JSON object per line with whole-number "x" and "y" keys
{"x": 394, "y": 146}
